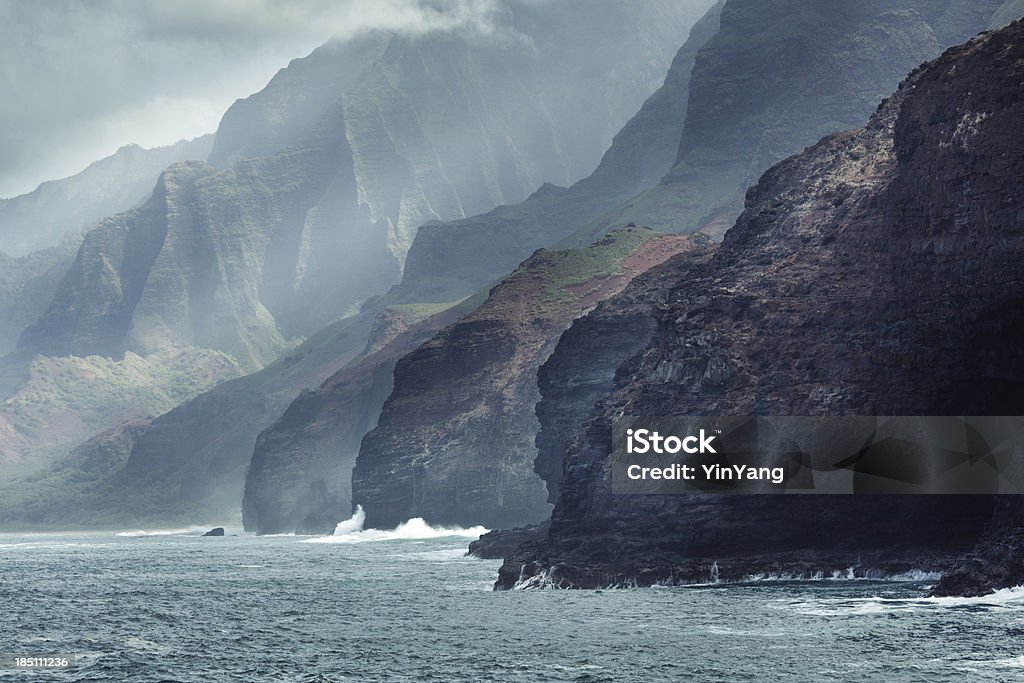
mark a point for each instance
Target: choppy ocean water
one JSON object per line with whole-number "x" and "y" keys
{"x": 409, "y": 606}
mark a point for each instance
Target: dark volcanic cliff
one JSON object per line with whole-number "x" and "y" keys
{"x": 581, "y": 370}
{"x": 455, "y": 441}
{"x": 998, "y": 559}
{"x": 879, "y": 273}
{"x": 300, "y": 476}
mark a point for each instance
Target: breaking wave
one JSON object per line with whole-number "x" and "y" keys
{"x": 1000, "y": 598}
{"x": 352, "y": 531}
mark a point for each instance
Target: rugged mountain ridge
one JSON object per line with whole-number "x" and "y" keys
{"x": 878, "y": 272}
{"x": 319, "y": 184}
{"x": 830, "y": 62}
{"x": 189, "y": 267}
{"x": 40, "y": 231}
{"x": 41, "y": 219}
{"x": 469, "y": 253}
{"x": 223, "y": 425}
{"x": 454, "y": 442}
{"x": 763, "y": 81}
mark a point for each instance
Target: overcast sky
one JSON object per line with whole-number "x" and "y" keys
{"x": 80, "y": 78}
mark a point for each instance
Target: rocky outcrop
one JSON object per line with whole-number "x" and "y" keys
{"x": 997, "y": 561}
{"x": 43, "y": 218}
{"x": 455, "y": 440}
{"x": 498, "y": 544}
{"x": 877, "y": 273}
{"x": 299, "y": 479}
{"x": 215, "y": 531}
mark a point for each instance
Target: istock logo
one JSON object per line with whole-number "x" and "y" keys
{"x": 642, "y": 441}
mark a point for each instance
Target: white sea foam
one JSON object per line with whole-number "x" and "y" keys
{"x": 1012, "y": 663}
{"x": 1007, "y": 598}
{"x": 52, "y": 544}
{"x": 915, "y": 575}
{"x": 184, "y": 531}
{"x": 352, "y": 531}
{"x": 542, "y": 579}
{"x": 352, "y": 524}
{"x": 912, "y": 576}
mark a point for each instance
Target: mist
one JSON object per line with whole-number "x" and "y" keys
{"x": 81, "y": 79}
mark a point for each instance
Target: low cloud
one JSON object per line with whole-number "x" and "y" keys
{"x": 80, "y": 78}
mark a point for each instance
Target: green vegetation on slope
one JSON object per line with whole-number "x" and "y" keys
{"x": 67, "y": 399}
{"x": 573, "y": 267}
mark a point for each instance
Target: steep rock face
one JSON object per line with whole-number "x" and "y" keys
{"x": 581, "y": 370}
{"x": 777, "y": 77}
{"x": 284, "y": 112}
{"x": 300, "y": 476}
{"x": 42, "y": 218}
{"x": 190, "y": 267}
{"x": 459, "y": 256}
{"x": 877, "y": 273}
{"x": 454, "y": 443}
{"x": 997, "y": 561}
{"x": 500, "y": 543}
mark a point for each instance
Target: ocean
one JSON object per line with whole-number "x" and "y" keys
{"x": 408, "y": 605}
